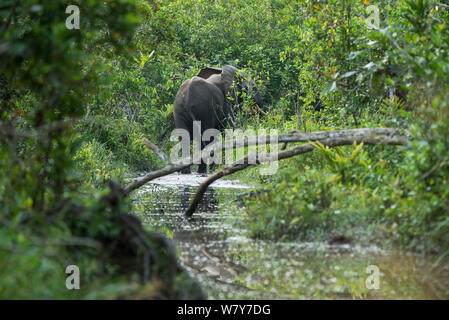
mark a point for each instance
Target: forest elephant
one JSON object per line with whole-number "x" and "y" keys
{"x": 212, "y": 97}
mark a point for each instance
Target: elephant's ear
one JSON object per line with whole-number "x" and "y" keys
{"x": 229, "y": 79}
{"x": 207, "y": 72}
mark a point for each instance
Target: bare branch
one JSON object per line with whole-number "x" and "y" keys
{"x": 258, "y": 109}
{"x": 154, "y": 175}
{"x": 227, "y": 170}
{"x": 370, "y": 136}
{"x": 156, "y": 150}
{"x": 441, "y": 5}
{"x": 75, "y": 241}
{"x": 327, "y": 138}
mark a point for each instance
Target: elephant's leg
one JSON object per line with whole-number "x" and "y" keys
{"x": 212, "y": 164}
{"x": 202, "y": 167}
{"x": 182, "y": 122}
{"x": 185, "y": 170}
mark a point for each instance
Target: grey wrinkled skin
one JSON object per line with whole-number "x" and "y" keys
{"x": 212, "y": 97}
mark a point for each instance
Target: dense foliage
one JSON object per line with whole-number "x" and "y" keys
{"x": 75, "y": 105}
{"x": 51, "y": 217}
{"x": 394, "y": 75}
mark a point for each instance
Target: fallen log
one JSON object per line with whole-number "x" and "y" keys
{"x": 369, "y": 136}
{"x": 154, "y": 175}
{"x": 344, "y": 137}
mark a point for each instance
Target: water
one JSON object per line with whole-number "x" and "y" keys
{"x": 229, "y": 265}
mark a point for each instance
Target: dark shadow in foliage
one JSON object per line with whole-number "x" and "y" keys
{"x": 132, "y": 250}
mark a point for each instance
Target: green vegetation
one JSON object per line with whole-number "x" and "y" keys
{"x": 75, "y": 105}
{"x": 57, "y": 148}
{"x": 400, "y": 192}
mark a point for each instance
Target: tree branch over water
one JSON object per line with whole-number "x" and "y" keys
{"x": 384, "y": 136}
{"x": 369, "y": 136}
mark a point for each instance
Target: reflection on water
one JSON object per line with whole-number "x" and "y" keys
{"x": 209, "y": 203}
{"x": 229, "y": 265}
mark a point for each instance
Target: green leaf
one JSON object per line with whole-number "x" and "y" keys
{"x": 348, "y": 74}
{"x": 330, "y": 87}
{"x": 354, "y": 54}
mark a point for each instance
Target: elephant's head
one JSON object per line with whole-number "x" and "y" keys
{"x": 233, "y": 83}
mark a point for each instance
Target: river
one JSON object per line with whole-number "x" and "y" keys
{"x": 214, "y": 247}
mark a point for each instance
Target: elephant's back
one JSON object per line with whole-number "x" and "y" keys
{"x": 202, "y": 89}
{"x": 198, "y": 100}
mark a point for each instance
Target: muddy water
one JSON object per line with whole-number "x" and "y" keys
{"x": 230, "y": 265}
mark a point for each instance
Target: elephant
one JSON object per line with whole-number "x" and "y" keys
{"x": 213, "y": 97}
